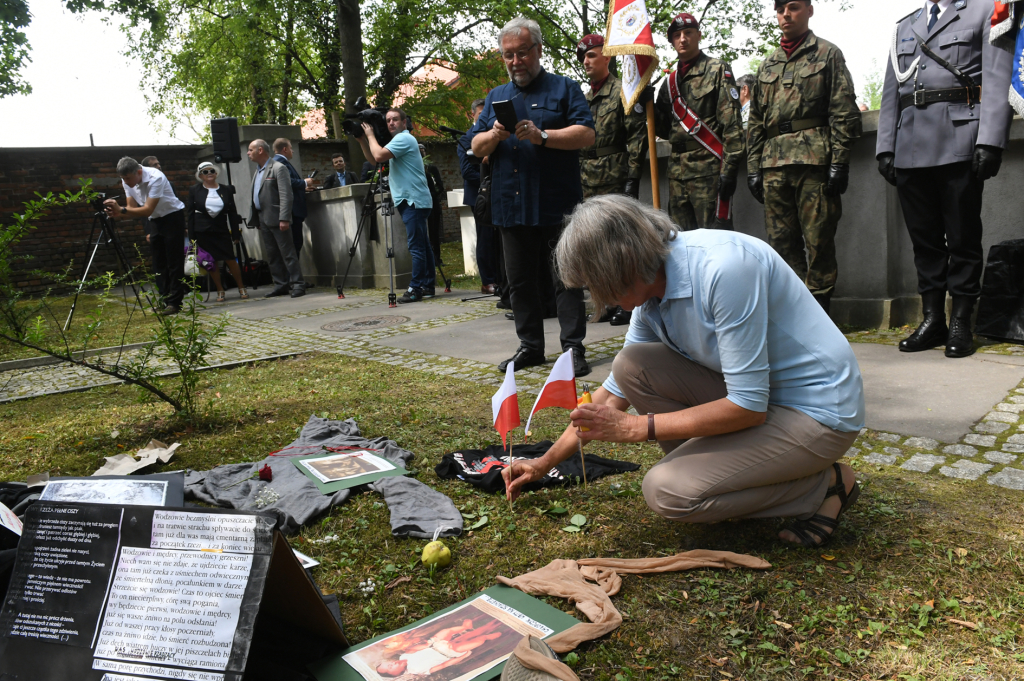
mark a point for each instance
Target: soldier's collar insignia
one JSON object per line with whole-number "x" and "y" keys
{"x": 960, "y": 4}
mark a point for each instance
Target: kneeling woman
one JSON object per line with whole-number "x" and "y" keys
{"x": 738, "y": 374}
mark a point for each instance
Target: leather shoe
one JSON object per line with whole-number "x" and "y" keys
{"x": 277, "y": 292}
{"x": 621, "y": 317}
{"x": 523, "y": 358}
{"x": 579, "y": 364}
{"x": 960, "y": 342}
{"x": 510, "y": 316}
{"x": 489, "y": 289}
{"x": 932, "y": 332}
{"x": 298, "y": 292}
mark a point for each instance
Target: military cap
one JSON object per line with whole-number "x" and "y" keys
{"x": 681, "y": 21}
{"x": 588, "y": 42}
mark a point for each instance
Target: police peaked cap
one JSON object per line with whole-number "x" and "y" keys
{"x": 681, "y": 21}
{"x": 588, "y": 42}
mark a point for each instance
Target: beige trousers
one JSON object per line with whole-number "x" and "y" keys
{"x": 777, "y": 469}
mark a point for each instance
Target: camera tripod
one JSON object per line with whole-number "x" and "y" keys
{"x": 379, "y": 188}
{"x": 107, "y": 235}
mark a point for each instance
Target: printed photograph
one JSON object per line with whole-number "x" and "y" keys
{"x": 344, "y": 466}
{"x": 457, "y": 646}
{"x": 130, "y": 492}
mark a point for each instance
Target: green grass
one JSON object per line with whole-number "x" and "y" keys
{"x": 455, "y": 268}
{"x": 914, "y": 554}
{"x": 114, "y": 326}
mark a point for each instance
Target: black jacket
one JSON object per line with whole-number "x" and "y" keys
{"x": 198, "y": 219}
{"x": 332, "y": 179}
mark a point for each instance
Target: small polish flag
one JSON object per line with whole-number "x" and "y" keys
{"x": 505, "y": 404}
{"x": 559, "y": 389}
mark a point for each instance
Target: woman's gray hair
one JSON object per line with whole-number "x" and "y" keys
{"x": 609, "y": 244}
{"x": 127, "y": 166}
{"x": 516, "y": 26}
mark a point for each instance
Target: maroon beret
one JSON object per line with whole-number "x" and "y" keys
{"x": 588, "y": 42}
{"x": 681, "y": 21}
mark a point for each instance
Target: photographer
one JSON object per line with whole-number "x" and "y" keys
{"x": 409, "y": 191}
{"x": 149, "y": 195}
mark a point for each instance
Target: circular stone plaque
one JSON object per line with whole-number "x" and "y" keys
{"x": 366, "y": 323}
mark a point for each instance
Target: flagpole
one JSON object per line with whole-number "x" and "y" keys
{"x": 508, "y": 493}
{"x": 582, "y": 461}
{"x": 653, "y": 150}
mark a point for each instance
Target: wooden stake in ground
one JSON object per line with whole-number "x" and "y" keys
{"x": 510, "y": 460}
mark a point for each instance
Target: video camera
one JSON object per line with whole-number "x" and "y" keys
{"x": 97, "y": 202}
{"x": 353, "y": 123}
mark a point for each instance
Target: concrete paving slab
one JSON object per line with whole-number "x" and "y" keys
{"x": 926, "y": 393}
{"x": 493, "y": 340}
{"x": 410, "y": 313}
{"x": 258, "y": 307}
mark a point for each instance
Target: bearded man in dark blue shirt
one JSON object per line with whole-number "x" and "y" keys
{"x": 535, "y": 184}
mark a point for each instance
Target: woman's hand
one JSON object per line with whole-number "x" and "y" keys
{"x": 523, "y": 472}
{"x": 608, "y": 424}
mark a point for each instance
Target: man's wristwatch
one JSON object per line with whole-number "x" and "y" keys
{"x": 543, "y": 138}
{"x": 123, "y": 210}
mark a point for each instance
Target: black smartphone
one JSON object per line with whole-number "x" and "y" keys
{"x": 311, "y": 175}
{"x": 505, "y": 112}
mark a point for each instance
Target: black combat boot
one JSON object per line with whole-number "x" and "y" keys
{"x": 932, "y": 332}
{"x": 961, "y": 341}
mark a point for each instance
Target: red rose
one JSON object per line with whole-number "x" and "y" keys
{"x": 266, "y": 473}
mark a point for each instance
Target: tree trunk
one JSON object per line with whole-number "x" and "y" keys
{"x": 353, "y": 70}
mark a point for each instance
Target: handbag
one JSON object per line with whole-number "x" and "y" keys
{"x": 198, "y": 262}
{"x": 482, "y": 207}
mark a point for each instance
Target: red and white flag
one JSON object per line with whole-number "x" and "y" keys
{"x": 505, "y": 404}
{"x": 629, "y": 35}
{"x": 559, "y": 389}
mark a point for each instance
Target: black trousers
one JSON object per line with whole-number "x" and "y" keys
{"x": 486, "y": 252}
{"x": 434, "y": 229}
{"x": 527, "y": 262}
{"x": 942, "y": 209}
{"x": 169, "y": 256}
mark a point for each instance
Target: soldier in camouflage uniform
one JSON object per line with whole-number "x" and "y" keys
{"x": 803, "y": 120}
{"x": 696, "y": 178}
{"x": 612, "y": 164}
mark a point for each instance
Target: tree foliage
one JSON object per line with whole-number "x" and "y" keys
{"x": 14, "y": 47}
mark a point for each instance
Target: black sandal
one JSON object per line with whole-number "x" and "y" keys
{"x": 811, "y": 532}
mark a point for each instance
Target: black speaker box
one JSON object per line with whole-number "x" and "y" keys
{"x": 226, "y": 147}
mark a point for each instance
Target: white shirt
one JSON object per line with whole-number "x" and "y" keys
{"x": 214, "y": 204}
{"x": 154, "y": 184}
{"x": 256, "y": 181}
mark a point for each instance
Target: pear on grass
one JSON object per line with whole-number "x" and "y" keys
{"x": 436, "y": 553}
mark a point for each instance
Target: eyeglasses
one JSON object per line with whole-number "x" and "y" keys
{"x": 521, "y": 55}
{"x": 208, "y": 171}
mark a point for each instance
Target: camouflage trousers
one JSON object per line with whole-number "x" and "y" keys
{"x": 692, "y": 203}
{"x": 801, "y": 222}
{"x": 602, "y": 190}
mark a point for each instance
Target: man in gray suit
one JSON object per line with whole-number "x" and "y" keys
{"x": 272, "y": 213}
{"x": 943, "y": 125}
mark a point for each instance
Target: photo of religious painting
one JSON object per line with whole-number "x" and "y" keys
{"x": 344, "y": 466}
{"x": 456, "y": 646}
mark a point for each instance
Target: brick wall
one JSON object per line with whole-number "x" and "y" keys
{"x": 316, "y": 154}
{"x": 61, "y": 237}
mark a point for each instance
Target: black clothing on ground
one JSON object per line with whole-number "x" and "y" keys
{"x": 215, "y": 235}
{"x": 169, "y": 255}
{"x": 532, "y": 282}
{"x": 942, "y": 209}
{"x": 482, "y": 468}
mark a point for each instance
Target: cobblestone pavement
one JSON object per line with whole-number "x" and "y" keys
{"x": 992, "y": 454}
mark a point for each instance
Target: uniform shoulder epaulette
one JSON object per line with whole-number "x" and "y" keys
{"x": 912, "y": 14}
